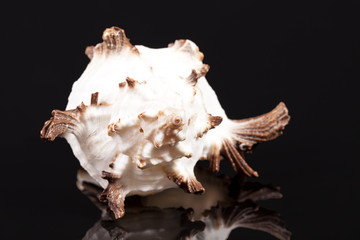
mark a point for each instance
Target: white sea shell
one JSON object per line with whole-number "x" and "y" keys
{"x": 139, "y": 119}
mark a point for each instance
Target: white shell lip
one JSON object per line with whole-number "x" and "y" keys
{"x": 138, "y": 120}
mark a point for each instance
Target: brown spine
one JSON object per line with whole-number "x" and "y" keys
{"x": 251, "y": 131}
{"x": 196, "y": 74}
{"x": 115, "y": 41}
{"x": 214, "y": 121}
{"x": 189, "y": 184}
{"x": 94, "y": 98}
{"x": 122, "y": 84}
{"x": 89, "y": 51}
{"x": 131, "y": 82}
{"x": 113, "y": 194}
{"x": 60, "y": 122}
{"x": 237, "y": 160}
{"x": 188, "y": 48}
{"x": 263, "y": 128}
{"x": 214, "y": 158}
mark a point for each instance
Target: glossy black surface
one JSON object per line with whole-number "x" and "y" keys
{"x": 227, "y": 204}
{"x": 306, "y": 54}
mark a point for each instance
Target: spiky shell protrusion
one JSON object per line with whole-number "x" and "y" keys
{"x": 139, "y": 119}
{"x": 244, "y": 134}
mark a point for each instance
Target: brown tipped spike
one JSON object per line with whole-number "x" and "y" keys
{"x": 214, "y": 121}
{"x": 113, "y": 194}
{"x": 61, "y": 122}
{"x": 94, "y": 98}
{"x": 111, "y": 177}
{"x": 114, "y": 38}
{"x": 179, "y": 43}
{"x": 44, "y": 130}
{"x": 106, "y": 175}
{"x": 81, "y": 107}
{"x": 192, "y": 78}
{"x": 266, "y": 127}
{"x": 184, "y": 46}
{"x": 214, "y": 158}
{"x": 122, "y": 84}
{"x": 115, "y": 41}
{"x": 188, "y": 184}
{"x": 237, "y": 160}
{"x": 115, "y": 197}
{"x": 131, "y": 82}
{"x": 188, "y": 47}
{"x": 204, "y": 69}
{"x": 229, "y": 157}
{"x": 89, "y": 51}
{"x": 196, "y": 74}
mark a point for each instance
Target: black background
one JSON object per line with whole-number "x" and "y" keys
{"x": 306, "y": 54}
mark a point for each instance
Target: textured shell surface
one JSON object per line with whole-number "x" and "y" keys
{"x": 138, "y": 120}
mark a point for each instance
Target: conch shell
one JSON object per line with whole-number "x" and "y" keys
{"x": 139, "y": 119}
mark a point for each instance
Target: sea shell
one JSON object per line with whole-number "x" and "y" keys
{"x": 139, "y": 119}
{"x": 227, "y": 204}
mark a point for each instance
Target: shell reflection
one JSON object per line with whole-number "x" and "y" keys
{"x": 228, "y": 203}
